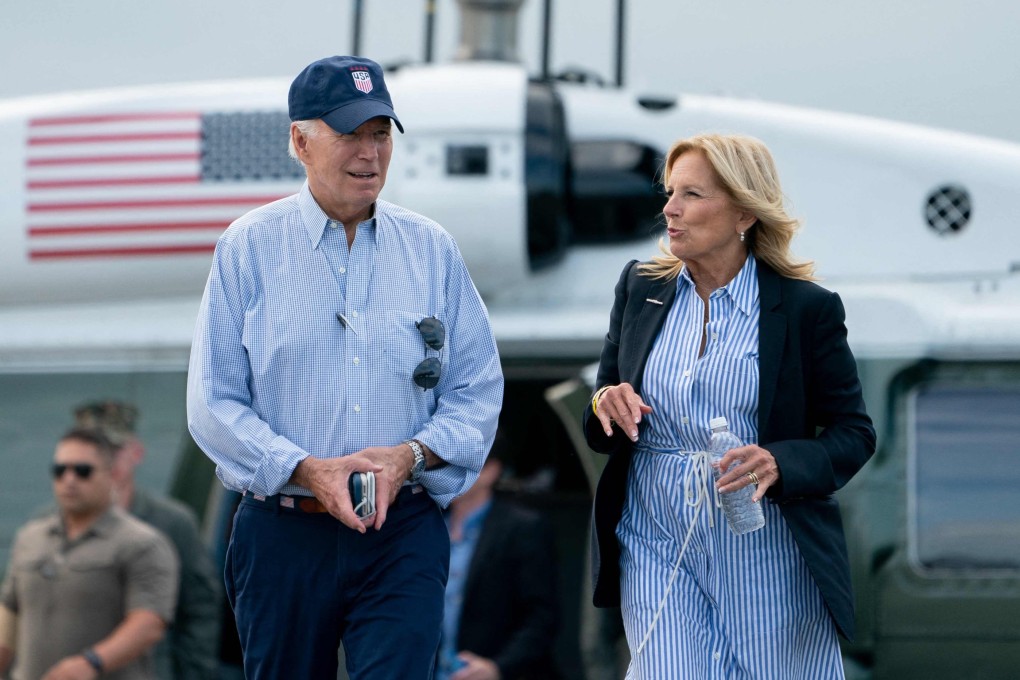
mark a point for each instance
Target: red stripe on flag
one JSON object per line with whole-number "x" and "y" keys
{"x": 112, "y": 118}
{"x": 163, "y": 203}
{"x": 121, "y": 252}
{"x": 99, "y": 139}
{"x": 121, "y": 228}
{"x": 111, "y": 182}
{"x": 123, "y": 158}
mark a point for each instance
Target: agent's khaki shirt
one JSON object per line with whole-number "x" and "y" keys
{"x": 69, "y": 595}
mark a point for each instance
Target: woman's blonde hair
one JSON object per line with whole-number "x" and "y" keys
{"x": 748, "y": 175}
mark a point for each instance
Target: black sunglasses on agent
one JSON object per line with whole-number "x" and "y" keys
{"x": 80, "y": 470}
{"x": 433, "y": 332}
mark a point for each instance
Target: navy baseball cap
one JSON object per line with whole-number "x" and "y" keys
{"x": 342, "y": 91}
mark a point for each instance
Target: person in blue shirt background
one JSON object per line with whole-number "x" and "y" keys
{"x": 502, "y": 610}
{"x": 340, "y": 333}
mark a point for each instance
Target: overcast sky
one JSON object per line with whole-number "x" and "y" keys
{"x": 934, "y": 62}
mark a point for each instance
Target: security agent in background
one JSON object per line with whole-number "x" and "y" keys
{"x": 190, "y": 650}
{"x": 90, "y": 588}
{"x": 501, "y": 615}
{"x": 340, "y": 333}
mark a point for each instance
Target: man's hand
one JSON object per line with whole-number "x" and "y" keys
{"x": 393, "y": 465}
{"x": 72, "y": 668}
{"x": 477, "y": 668}
{"x": 327, "y": 478}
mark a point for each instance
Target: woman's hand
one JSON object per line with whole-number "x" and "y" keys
{"x": 620, "y": 404}
{"x": 755, "y": 464}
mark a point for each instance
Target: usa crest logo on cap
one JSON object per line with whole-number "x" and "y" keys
{"x": 362, "y": 81}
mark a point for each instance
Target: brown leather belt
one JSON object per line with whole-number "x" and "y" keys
{"x": 312, "y": 505}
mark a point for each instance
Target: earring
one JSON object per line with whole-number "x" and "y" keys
{"x": 741, "y": 237}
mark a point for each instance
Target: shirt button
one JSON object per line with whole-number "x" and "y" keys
{"x": 333, "y": 225}
{"x": 343, "y": 270}
{"x": 357, "y": 361}
{"x": 687, "y": 374}
{"x": 717, "y": 656}
{"x": 354, "y": 314}
{"x": 357, "y": 408}
{"x": 715, "y": 336}
{"x": 685, "y": 420}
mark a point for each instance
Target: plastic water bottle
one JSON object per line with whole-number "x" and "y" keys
{"x": 742, "y": 514}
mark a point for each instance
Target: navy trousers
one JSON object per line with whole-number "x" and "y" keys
{"x": 300, "y": 584}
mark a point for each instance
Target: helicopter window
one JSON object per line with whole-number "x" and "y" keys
{"x": 964, "y": 477}
{"x": 616, "y": 195}
{"x": 467, "y": 160}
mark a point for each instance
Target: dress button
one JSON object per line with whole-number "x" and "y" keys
{"x": 685, "y": 420}
{"x": 687, "y": 374}
{"x": 715, "y": 336}
{"x": 717, "y": 656}
{"x": 357, "y": 361}
{"x": 333, "y": 224}
{"x": 357, "y": 408}
{"x": 343, "y": 270}
{"x": 354, "y": 314}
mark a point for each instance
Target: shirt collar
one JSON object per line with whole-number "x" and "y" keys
{"x": 101, "y": 526}
{"x": 742, "y": 290}
{"x": 316, "y": 220}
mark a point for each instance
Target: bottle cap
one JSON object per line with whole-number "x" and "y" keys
{"x": 718, "y": 422}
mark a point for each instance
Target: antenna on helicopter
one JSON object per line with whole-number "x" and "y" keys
{"x": 621, "y": 15}
{"x": 430, "y": 28}
{"x": 356, "y": 29}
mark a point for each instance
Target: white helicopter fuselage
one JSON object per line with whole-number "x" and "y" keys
{"x": 114, "y": 200}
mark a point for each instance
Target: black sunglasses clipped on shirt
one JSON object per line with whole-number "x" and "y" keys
{"x": 427, "y": 373}
{"x": 81, "y": 470}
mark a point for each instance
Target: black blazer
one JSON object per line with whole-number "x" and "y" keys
{"x": 510, "y": 608}
{"x": 811, "y": 418}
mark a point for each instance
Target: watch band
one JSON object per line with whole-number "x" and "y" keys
{"x": 418, "y": 468}
{"x": 93, "y": 659}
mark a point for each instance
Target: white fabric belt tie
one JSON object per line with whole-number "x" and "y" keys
{"x": 698, "y": 478}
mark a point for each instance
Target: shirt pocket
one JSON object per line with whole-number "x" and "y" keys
{"x": 402, "y": 342}
{"x": 743, "y": 365}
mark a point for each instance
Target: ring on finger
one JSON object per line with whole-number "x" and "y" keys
{"x": 753, "y": 477}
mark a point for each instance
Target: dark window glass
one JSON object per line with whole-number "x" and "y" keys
{"x": 467, "y": 160}
{"x": 965, "y": 477}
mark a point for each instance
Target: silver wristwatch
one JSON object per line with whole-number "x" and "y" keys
{"x": 418, "y": 469}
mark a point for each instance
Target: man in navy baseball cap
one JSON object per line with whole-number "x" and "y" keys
{"x": 343, "y": 91}
{"x": 302, "y": 376}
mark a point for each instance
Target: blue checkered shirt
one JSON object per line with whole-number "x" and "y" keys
{"x": 275, "y": 376}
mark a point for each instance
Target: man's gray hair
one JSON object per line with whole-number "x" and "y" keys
{"x": 308, "y": 128}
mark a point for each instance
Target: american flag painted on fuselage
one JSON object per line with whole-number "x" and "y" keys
{"x": 149, "y": 183}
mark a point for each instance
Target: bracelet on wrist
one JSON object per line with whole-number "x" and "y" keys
{"x": 595, "y": 399}
{"x": 94, "y": 660}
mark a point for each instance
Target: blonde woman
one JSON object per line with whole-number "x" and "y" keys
{"x": 726, "y": 323}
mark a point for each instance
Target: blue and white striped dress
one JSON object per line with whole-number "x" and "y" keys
{"x": 737, "y": 606}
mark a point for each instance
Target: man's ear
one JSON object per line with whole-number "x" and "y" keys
{"x": 133, "y": 450}
{"x": 299, "y": 141}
